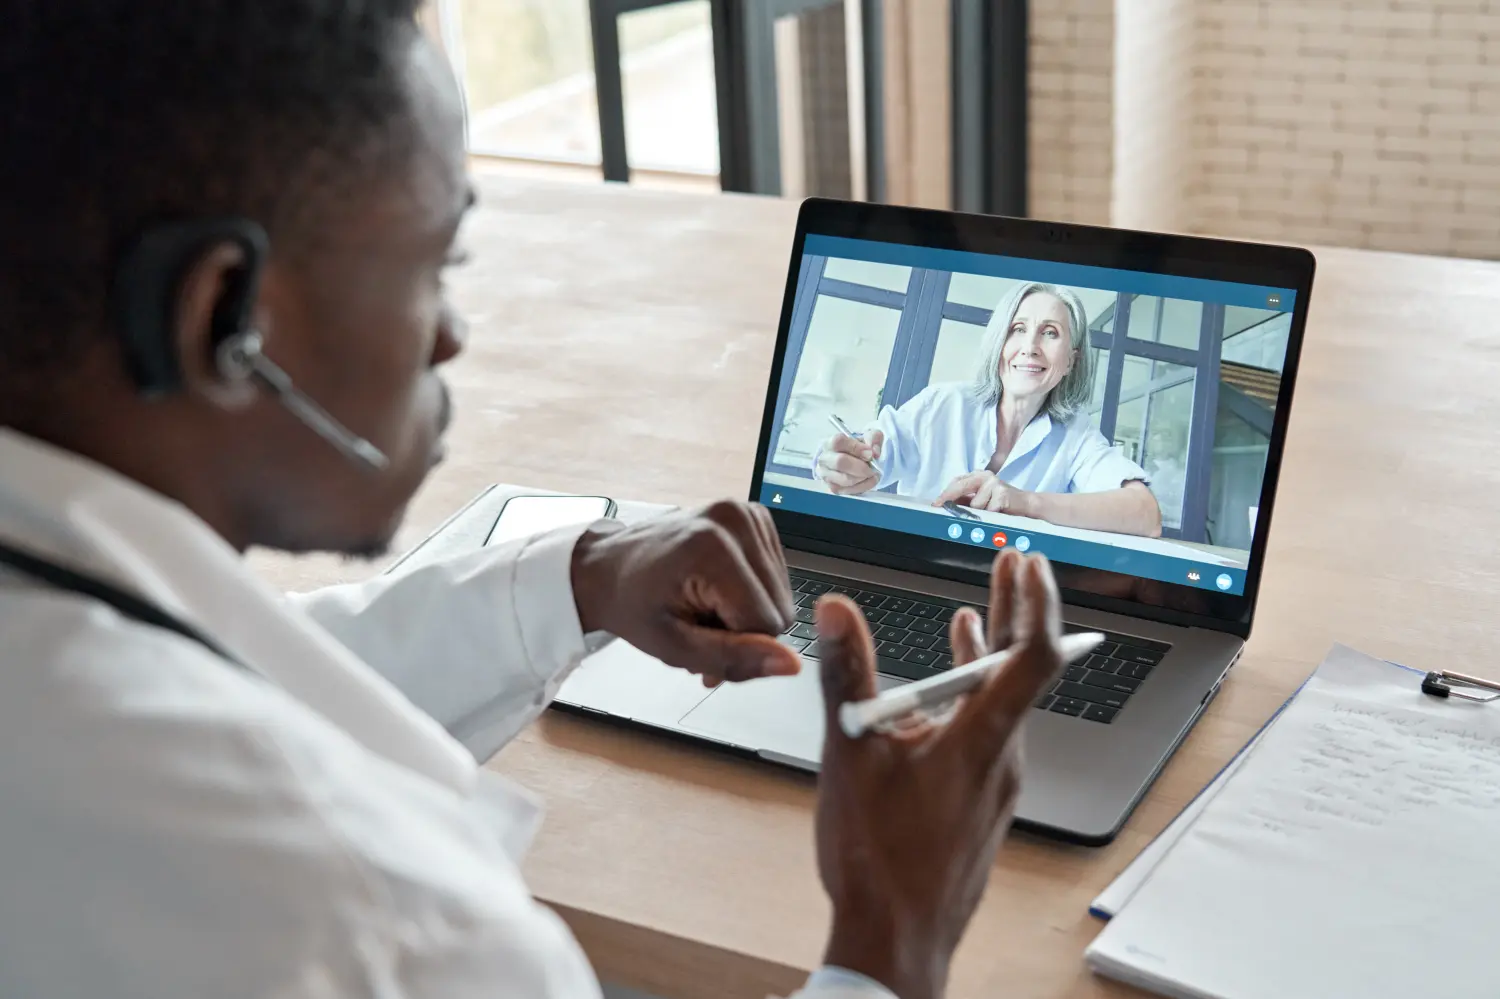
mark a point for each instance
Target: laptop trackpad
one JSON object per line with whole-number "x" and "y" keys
{"x": 777, "y": 715}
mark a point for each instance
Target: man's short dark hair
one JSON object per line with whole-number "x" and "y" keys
{"x": 119, "y": 114}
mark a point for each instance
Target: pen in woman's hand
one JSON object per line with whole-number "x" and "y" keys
{"x": 843, "y": 427}
{"x": 846, "y": 463}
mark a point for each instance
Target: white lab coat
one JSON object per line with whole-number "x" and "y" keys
{"x": 172, "y": 826}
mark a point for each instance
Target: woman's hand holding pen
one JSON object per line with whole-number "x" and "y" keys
{"x": 847, "y": 463}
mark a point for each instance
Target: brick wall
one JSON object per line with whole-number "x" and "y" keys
{"x": 1071, "y": 135}
{"x": 1374, "y": 123}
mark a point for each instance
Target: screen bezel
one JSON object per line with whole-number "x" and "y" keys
{"x": 1186, "y": 256}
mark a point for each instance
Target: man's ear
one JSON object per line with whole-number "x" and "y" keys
{"x": 209, "y": 304}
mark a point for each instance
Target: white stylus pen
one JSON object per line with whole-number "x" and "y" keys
{"x": 858, "y": 717}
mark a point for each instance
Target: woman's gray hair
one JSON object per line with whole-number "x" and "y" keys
{"x": 1073, "y": 393}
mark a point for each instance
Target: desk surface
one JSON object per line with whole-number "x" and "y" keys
{"x": 621, "y": 342}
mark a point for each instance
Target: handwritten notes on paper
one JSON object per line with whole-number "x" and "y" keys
{"x": 1360, "y": 828}
{"x": 1367, "y": 764}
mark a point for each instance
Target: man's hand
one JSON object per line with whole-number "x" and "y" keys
{"x": 846, "y": 463}
{"x": 986, "y": 491}
{"x": 704, "y": 591}
{"x": 909, "y": 823}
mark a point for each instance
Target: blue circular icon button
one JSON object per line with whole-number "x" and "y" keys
{"x": 955, "y": 531}
{"x": 977, "y": 535}
{"x": 1224, "y": 581}
{"x": 1023, "y": 543}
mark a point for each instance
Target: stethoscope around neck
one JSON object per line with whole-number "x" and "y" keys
{"x": 127, "y": 604}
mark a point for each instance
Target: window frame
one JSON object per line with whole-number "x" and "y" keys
{"x": 813, "y": 283}
{"x": 1205, "y": 363}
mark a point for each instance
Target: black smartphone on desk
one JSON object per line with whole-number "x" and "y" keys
{"x": 523, "y": 516}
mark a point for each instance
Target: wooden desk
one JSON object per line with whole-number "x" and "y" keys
{"x": 621, "y": 344}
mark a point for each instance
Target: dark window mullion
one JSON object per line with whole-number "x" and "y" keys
{"x": 929, "y": 322}
{"x": 863, "y": 293}
{"x": 1146, "y": 416}
{"x": 1260, "y": 417}
{"x": 1154, "y": 351}
{"x": 905, "y": 336}
{"x": 797, "y": 471}
{"x": 902, "y": 345}
{"x": 604, "y": 24}
{"x": 971, "y": 314}
{"x": 1201, "y": 433}
{"x": 1119, "y": 337}
{"x": 916, "y": 337}
{"x": 1157, "y": 314}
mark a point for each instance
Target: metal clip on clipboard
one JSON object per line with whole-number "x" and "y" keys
{"x": 1461, "y": 685}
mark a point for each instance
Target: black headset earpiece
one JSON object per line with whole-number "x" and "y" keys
{"x": 147, "y": 286}
{"x": 149, "y": 281}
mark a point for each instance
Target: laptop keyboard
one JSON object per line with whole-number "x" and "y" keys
{"x": 911, "y": 642}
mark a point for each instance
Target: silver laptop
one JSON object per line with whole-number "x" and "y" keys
{"x": 1160, "y": 370}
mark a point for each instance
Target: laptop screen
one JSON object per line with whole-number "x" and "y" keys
{"x": 1113, "y": 419}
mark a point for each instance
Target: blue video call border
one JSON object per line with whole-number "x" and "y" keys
{"x": 1074, "y": 551}
{"x": 1249, "y": 296}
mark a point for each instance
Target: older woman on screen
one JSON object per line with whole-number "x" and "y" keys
{"x": 1016, "y": 440}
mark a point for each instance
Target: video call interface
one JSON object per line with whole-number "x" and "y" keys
{"x": 1111, "y": 419}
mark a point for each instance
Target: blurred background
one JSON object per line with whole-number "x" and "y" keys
{"x": 1373, "y": 124}
{"x": 531, "y": 92}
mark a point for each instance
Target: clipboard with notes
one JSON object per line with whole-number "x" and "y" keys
{"x": 1351, "y": 850}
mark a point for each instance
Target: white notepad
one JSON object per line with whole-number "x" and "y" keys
{"x": 1123, "y": 888}
{"x": 1113, "y": 898}
{"x": 1353, "y": 855}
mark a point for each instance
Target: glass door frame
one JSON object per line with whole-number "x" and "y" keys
{"x": 1204, "y": 361}
{"x": 745, "y": 83}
